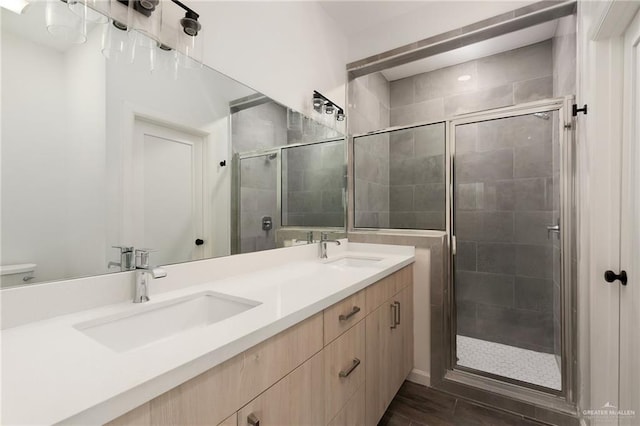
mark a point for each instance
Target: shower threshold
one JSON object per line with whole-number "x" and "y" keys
{"x": 529, "y": 366}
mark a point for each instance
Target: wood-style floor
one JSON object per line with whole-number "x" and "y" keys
{"x": 417, "y": 405}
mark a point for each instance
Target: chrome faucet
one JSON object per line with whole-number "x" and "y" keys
{"x": 126, "y": 259}
{"x": 144, "y": 275}
{"x": 310, "y": 237}
{"x": 324, "y": 239}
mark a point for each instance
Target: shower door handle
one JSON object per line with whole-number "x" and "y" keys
{"x": 553, "y": 228}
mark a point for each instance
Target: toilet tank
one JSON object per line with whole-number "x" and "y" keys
{"x": 19, "y": 274}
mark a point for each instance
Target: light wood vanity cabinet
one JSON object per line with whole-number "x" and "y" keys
{"x": 342, "y": 366}
{"x": 297, "y": 399}
{"x": 389, "y": 344}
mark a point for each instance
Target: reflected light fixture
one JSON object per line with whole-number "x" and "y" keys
{"x": 16, "y": 6}
{"x": 465, "y": 77}
{"x": 329, "y": 108}
{"x": 318, "y": 101}
{"x": 321, "y": 102}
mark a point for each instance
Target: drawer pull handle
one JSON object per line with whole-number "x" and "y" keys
{"x": 397, "y": 312}
{"x": 394, "y": 309}
{"x": 345, "y": 373}
{"x": 354, "y": 311}
{"x": 253, "y": 420}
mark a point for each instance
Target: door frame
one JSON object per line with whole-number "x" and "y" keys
{"x": 132, "y": 113}
{"x": 600, "y": 84}
{"x": 629, "y": 389}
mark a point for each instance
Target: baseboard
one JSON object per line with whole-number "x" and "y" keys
{"x": 420, "y": 377}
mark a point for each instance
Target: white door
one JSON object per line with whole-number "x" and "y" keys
{"x": 630, "y": 233}
{"x": 168, "y": 192}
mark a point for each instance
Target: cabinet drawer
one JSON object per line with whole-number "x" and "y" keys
{"x": 380, "y": 292}
{"x": 344, "y": 368}
{"x": 343, "y": 315}
{"x": 352, "y": 414}
{"x": 294, "y": 400}
{"x": 214, "y": 395}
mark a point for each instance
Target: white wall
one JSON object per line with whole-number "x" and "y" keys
{"x": 85, "y": 159}
{"x": 433, "y": 18}
{"x": 52, "y": 159}
{"x": 285, "y": 50}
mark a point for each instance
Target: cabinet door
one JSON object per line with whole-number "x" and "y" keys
{"x": 402, "y": 338}
{"x": 297, "y": 399}
{"x": 406, "y": 327}
{"x": 379, "y": 347}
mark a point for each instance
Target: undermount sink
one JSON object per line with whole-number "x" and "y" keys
{"x": 139, "y": 327}
{"x": 354, "y": 262}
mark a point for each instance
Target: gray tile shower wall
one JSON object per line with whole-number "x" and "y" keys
{"x": 505, "y": 260}
{"x": 257, "y": 199}
{"x": 504, "y": 197}
{"x": 508, "y": 78}
{"x": 368, "y": 110}
{"x": 504, "y": 194}
{"x": 259, "y": 127}
{"x": 369, "y": 102}
{"x": 313, "y": 182}
{"x": 417, "y": 178}
{"x": 372, "y": 182}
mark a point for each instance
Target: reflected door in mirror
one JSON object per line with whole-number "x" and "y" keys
{"x": 168, "y": 205}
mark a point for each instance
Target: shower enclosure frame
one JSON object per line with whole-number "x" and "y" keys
{"x": 236, "y": 183}
{"x": 463, "y": 380}
{"x": 531, "y": 401}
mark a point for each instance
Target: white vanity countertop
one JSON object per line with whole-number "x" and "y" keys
{"x": 53, "y": 373}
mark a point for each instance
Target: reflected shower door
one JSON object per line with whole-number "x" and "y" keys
{"x": 258, "y": 202}
{"x": 507, "y": 280}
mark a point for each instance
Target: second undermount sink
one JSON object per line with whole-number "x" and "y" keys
{"x": 354, "y": 262}
{"x": 139, "y": 327}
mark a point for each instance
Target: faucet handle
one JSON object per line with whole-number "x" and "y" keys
{"x": 142, "y": 257}
{"x": 124, "y": 249}
{"x": 324, "y": 236}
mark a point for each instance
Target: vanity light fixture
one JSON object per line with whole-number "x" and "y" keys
{"x": 16, "y": 6}
{"x": 321, "y": 102}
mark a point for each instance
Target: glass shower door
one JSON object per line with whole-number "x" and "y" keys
{"x": 507, "y": 281}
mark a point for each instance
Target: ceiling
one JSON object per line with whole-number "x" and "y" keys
{"x": 353, "y": 17}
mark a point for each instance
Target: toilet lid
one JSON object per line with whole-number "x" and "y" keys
{"x": 17, "y": 269}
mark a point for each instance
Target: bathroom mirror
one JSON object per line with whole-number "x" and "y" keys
{"x": 105, "y": 148}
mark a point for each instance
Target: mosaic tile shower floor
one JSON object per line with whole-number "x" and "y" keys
{"x": 508, "y": 361}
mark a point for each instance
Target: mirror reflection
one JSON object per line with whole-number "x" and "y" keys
{"x": 291, "y": 174}
{"x": 103, "y": 152}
